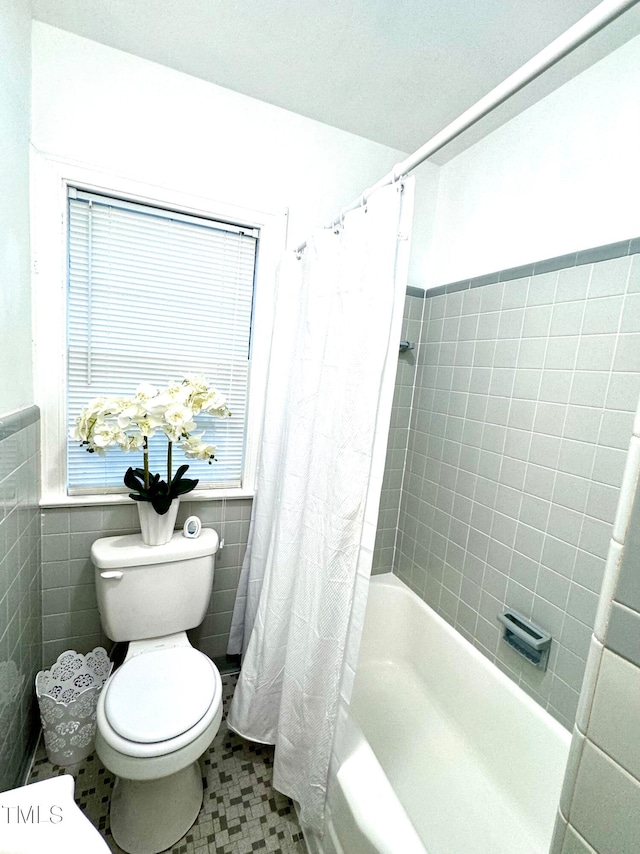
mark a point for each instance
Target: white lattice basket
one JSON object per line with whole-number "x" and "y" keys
{"x": 68, "y": 698}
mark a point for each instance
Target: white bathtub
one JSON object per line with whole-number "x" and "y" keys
{"x": 443, "y": 753}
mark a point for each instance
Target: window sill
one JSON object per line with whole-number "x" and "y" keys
{"x": 51, "y": 501}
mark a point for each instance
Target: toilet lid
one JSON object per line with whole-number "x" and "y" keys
{"x": 159, "y": 695}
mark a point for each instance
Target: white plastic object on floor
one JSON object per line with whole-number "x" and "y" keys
{"x": 43, "y": 817}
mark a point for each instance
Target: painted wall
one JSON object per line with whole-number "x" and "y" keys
{"x": 15, "y": 267}
{"x": 128, "y": 117}
{"x": 20, "y": 599}
{"x": 562, "y": 176}
{"x": 135, "y": 118}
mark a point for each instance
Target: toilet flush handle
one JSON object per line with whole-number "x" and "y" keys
{"x": 114, "y": 573}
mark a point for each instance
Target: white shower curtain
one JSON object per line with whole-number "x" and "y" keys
{"x": 298, "y": 615}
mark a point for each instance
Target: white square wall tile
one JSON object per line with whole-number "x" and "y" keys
{"x": 575, "y": 844}
{"x": 595, "y": 352}
{"x": 609, "y": 277}
{"x": 631, "y": 314}
{"x": 589, "y": 388}
{"x": 582, "y": 604}
{"x": 623, "y": 633}
{"x": 602, "y": 315}
{"x": 616, "y": 429}
{"x": 605, "y": 809}
{"x": 567, "y": 318}
{"x": 614, "y": 724}
{"x": 627, "y": 356}
{"x": 609, "y": 465}
{"x": 573, "y": 283}
{"x": 623, "y": 392}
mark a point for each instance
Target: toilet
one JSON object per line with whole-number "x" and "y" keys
{"x": 43, "y": 817}
{"x": 161, "y": 709}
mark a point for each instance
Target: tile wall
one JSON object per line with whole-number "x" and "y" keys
{"x": 600, "y": 804}
{"x": 20, "y": 611}
{"x": 398, "y": 437}
{"x": 70, "y": 617}
{"x": 526, "y": 388}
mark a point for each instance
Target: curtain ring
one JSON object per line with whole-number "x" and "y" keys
{"x": 396, "y": 174}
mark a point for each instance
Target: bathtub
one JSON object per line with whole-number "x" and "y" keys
{"x": 441, "y": 752}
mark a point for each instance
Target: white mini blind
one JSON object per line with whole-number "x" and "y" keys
{"x": 154, "y": 295}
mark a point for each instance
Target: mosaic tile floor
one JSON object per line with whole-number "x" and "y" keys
{"x": 241, "y": 812}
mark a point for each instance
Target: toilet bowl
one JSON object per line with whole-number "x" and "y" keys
{"x": 156, "y": 715}
{"x": 160, "y": 710}
{"x": 43, "y": 818}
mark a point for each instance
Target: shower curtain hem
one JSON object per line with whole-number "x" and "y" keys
{"x": 248, "y": 737}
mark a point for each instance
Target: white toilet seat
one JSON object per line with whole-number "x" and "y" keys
{"x": 160, "y": 695}
{"x": 145, "y": 714}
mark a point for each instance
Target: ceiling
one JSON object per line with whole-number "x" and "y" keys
{"x": 393, "y": 71}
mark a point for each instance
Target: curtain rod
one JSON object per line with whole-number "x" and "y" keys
{"x": 603, "y": 14}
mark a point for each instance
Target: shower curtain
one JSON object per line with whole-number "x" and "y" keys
{"x": 300, "y": 605}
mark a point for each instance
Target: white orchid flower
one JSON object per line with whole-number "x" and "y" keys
{"x": 178, "y": 392}
{"x": 128, "y": 423}
{"x": 178, "y": 414}
{"x": 145, "y": 391}
{"x": 197, "y": 383}
{"x": 133, "y": 443}
{"x": 177, "y": 421}
{"x": 148, "y": 426}
{"x": 195, "y": 449}
{"x": 131, "y": 413}
{"x": 105, "y": 435}
{"x": 215, "y": 404}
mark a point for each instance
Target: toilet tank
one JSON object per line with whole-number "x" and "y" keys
{"x": 150, "y": 591}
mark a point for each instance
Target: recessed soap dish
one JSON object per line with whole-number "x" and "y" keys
{"x": 529, "y": 640}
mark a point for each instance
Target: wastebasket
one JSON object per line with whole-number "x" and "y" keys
{"x": 68, "y": 698}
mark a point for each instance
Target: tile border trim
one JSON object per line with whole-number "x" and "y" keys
{"x": 415, "y": 292}
{"x": 16, "y": 421}
{"x": 548, "y": 265}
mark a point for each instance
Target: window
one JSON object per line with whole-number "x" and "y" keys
{"x": 185, "y": 323}
{"x": 153, "y": 295}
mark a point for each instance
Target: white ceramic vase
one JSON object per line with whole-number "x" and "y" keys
{"x": 157, "y": 529}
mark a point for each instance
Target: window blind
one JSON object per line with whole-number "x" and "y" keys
{"x": 154, "y": 295}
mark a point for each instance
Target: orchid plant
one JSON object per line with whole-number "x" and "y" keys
{"x": 129, "y": 423}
